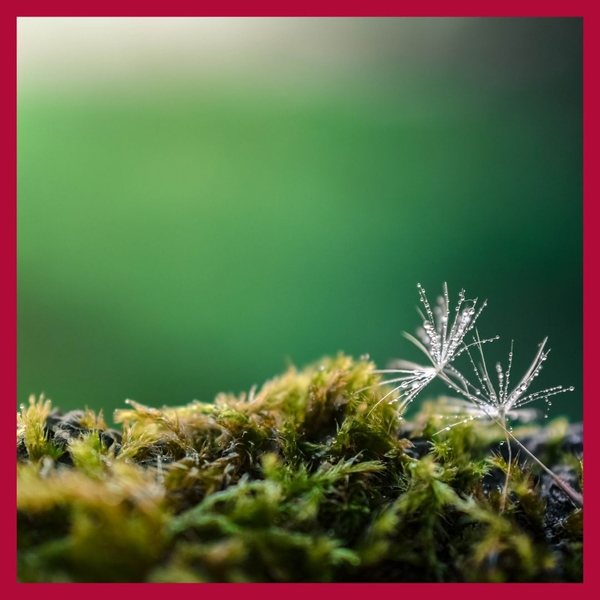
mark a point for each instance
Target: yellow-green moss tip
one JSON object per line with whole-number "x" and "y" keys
{"x": 309, "y": 478}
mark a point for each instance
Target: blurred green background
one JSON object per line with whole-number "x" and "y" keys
{"x": 203, "y": 201}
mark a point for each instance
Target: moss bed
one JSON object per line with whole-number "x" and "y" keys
{"x": 306, "y": 479}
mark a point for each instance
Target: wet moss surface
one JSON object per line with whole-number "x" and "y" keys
{"x": 309, "y": 478}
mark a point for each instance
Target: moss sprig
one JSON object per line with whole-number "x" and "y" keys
{"x": 308, "y": 478}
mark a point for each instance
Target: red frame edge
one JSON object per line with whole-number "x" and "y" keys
{"x": 8, "y": 233}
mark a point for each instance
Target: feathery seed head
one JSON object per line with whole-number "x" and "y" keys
{"x": 440, "y": 339}
{"x": 500, "y": 401}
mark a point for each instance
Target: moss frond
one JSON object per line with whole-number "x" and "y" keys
{"x": 32, "y": 431}
{"x": 307, "y": 478}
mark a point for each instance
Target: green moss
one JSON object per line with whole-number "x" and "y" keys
{"x": 310, "y": 478}
{"x": 31, "y": 431}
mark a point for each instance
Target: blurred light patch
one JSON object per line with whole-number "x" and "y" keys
{"x": 202, "y": 200}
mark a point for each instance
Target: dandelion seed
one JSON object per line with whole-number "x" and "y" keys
{"x": 502, "y": 403}
{"x": 440, "y": 338}
{"x": 442, "y": 341}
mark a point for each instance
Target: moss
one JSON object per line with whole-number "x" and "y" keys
{"x": 310, "y": 478}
